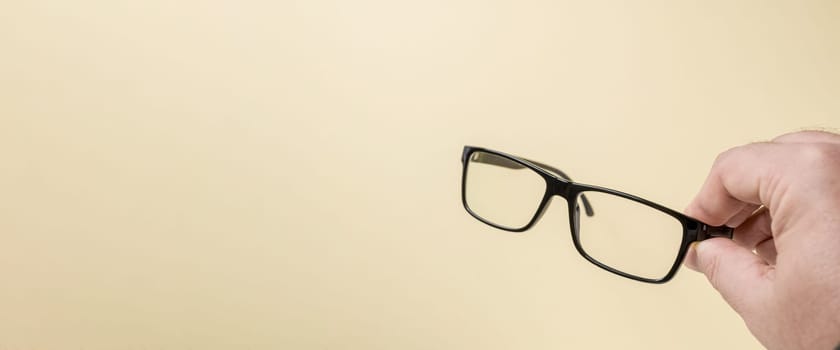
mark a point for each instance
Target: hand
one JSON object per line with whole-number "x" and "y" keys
{"x": 781, "y": 273}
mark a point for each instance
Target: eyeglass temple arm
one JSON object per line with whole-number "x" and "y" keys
{"x": 487, "y": 158}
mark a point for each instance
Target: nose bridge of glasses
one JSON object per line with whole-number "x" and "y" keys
{"x": 562, "y": 187}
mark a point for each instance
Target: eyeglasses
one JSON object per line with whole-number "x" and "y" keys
{"x": 621, "y": 233}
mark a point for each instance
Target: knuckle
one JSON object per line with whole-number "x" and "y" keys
{"x": 820, "y": 156}
{"x": 813, "y": 135}
{"x": 735, "y": 154}
{"x": 721, "y": 160}
{"x": 785, "y": 136}
{"x": 792, "y": 136}
{"x": 723, "y": 156}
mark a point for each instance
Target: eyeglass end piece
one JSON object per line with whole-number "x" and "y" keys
{"x": 706, "y": 232}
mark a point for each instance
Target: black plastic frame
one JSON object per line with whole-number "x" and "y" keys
{"x": 560, "y": 184}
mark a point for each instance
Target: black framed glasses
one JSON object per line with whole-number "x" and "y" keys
{"x": 618, "y": 232}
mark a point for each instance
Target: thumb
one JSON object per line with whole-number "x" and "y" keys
{"x": 739, "y": 275}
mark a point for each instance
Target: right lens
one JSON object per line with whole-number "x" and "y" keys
{"x": 501, "y": 190}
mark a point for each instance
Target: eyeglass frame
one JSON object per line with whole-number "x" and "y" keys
{"x": 560, "y": 184}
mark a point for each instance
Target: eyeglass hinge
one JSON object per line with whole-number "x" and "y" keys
{"x": 706, "y": 232}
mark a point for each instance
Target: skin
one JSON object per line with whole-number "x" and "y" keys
{"x": 781, "y": 272}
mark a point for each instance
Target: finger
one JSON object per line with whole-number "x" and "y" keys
{"x": 691, "y": 257}
{"x": 767, "y": 251}
{"x": 740, "y": 178}
{"x": 754, "y": 230}
{"x": 737, "y": 273}
{"x": 809, "y": 136}
{"x": 742, "y": 216}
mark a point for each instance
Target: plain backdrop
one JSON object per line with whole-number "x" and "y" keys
{"x": 285, "y": 174}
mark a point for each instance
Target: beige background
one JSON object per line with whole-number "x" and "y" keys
{"x": 284, "y": 174}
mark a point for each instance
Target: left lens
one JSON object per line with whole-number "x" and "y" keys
{"x": 502, "y": 191}
{"x": 629, "y": 236}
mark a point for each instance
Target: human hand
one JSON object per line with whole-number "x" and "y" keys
{"x": 781, "y": 272}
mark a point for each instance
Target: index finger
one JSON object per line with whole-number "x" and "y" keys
{"x": 740, "y": 178}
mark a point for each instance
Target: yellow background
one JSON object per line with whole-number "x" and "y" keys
{"x": 285, "y": 174}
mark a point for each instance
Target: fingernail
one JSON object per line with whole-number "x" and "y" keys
{"x": 691, "y": 257}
